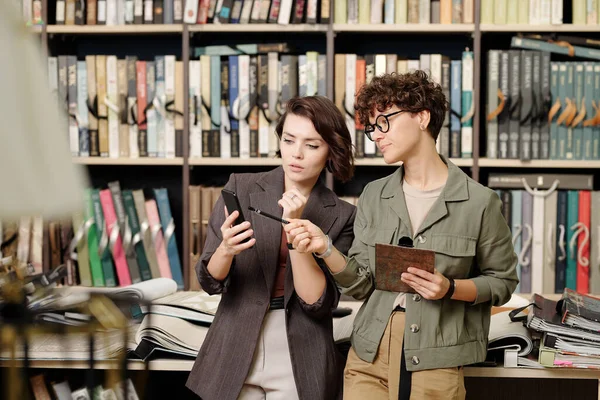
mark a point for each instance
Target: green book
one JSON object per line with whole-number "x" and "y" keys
{"x": 137, "y": 242}
{"x": 92, "y": 241}
{"x": 105, "y": 257}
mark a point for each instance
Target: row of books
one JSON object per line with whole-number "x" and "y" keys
{"x": 62, "y": 390}
{"x": 122, "y": 12}
{"x": 531, "y": 12}
{"x": 131, "y": 108}
{"x": 121, "y": 107}
{"x": 539, "y": 109}
{"x": 121, "y": 237}
{"x": 455, "y": 77}
{"x": 404, "y": 11}
{"x": 554, "y": 226}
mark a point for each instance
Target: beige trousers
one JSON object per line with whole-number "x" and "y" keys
{"x": 381, "y": 379}
{"x": 271, "y": 376}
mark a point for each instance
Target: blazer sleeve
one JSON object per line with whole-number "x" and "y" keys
{"x": 331, "y": 295}
{"x": 212, "y": 242}
{"x": 496, "y": 257}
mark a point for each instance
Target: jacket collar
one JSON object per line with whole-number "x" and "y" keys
{"x": 455, "y": 189}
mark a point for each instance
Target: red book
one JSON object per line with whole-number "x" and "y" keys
{"x": 115, "y": 243}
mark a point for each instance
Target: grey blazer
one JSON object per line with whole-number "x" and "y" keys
{"x": 226, "y": 354}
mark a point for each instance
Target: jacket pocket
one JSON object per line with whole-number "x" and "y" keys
{"x": 454, "y": 253}
{"x": 372, "y": 236}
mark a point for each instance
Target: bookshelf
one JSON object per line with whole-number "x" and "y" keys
{"x": 331, "y": 37}
{"x": 114, "y": 30}
{"x": 127, "y": 161}
{"x": 406, "y": 28}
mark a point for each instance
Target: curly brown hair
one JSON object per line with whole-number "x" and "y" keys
{"x": 412, "y": 92}
{"x": 331, "y": 125}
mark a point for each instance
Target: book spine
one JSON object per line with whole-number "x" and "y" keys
{"x": 91, "y": 239}
{"x": 244, "y": 105}
{"x": 122, "y": 105}
{"x": 572, "y": 219}
{"x": 215, "y": 105}
{"x": 225, "y": 128}
{"x": 561, "y": 244}
{"x": 152, "y": 115}
{"x": 159, "y": 104}
{"x": 146, "y": 233}
{"x": 103, "y": 251}
{"x": 124, "y": 226}
{"x": 526, "y": 112}
{"x": 168, "y": 226}
{"x": 158, "y": 239}
{"x": 195, "y": 109}
{"x": 102, "y": 108}
{"x": 90, "y": 62}
{"x": 169, "y": 119}
{"x": 583, "y": 244}
{"x": 82, "y": 110}
{"x": 553, "y": 115}
{"x": 112, "y": 94}
{"x": 544, "y": 104}
{"x": 115, "y": 240}
{"x": 142, "y": 101}
{"x": 466, "y": 132}
{"x": 515, "y": 103}
{"x": 456, "y": 106}
{"x": 132, "y": 128}
{"x": 492, "y": 103}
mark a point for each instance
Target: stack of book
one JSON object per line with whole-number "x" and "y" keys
{"x": 569, "y": 330}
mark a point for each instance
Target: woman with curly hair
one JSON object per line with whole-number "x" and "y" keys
{"x": 414, "y": 345}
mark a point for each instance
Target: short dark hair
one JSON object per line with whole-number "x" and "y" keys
{"x": 412, "y": 92}
{"x": 330, "y": 124}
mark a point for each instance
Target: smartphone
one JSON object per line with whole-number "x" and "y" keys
{"x": 233, "y": 203}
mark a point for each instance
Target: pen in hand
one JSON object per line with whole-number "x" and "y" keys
{"x": 265, "y": 214}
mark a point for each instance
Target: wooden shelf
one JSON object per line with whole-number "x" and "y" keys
{"x": 516, "y": 28}
{"x": 405, "y": 28}
{"x": 487, "y": 162}
{"x": 378, "y": 162}
{"x": 127, "y": 161}
{"x": 186, "y": 366}
{"x": 216, "y": 161}
{"x": 114, "y": 29}
{"x": 226, "y": 28}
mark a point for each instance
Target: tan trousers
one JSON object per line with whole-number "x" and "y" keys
{"x": 381, "y": 379}
{"x": 271, "y": 376}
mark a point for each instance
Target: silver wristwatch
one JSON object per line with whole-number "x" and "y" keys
{"x": 327, "y": 252}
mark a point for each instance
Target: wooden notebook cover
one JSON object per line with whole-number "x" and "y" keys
{"x": 391, "y": 261}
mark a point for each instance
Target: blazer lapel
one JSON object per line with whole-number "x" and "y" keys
{"x": 267, "y": 231}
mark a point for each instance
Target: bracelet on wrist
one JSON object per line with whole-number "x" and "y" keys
{"x": 451, "y": 289}
{"x": 328, "y": 251}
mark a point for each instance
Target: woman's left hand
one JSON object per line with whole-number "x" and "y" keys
{"x": 429, "y": 286}
{"x": 293, "y": 203}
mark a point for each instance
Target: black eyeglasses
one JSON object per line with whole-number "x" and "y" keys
{"x": 381, "y": 122}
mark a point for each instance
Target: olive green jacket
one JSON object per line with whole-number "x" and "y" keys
{"x": 471, "y": 239}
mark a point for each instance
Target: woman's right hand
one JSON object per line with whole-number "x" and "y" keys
{"x": 233, "y": 235}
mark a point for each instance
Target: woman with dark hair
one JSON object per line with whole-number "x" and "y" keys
{"x": 272, "y": 336}
{"x": 414, "y": 345}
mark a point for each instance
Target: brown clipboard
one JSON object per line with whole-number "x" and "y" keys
{"x": 391, "y": 261}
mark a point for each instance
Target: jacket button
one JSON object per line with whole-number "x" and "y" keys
{"x": 416, "y": 297}
{"x": 422, "y": 239}
{"x": 415, "y": 360}
{"x": 414, "y": 328}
